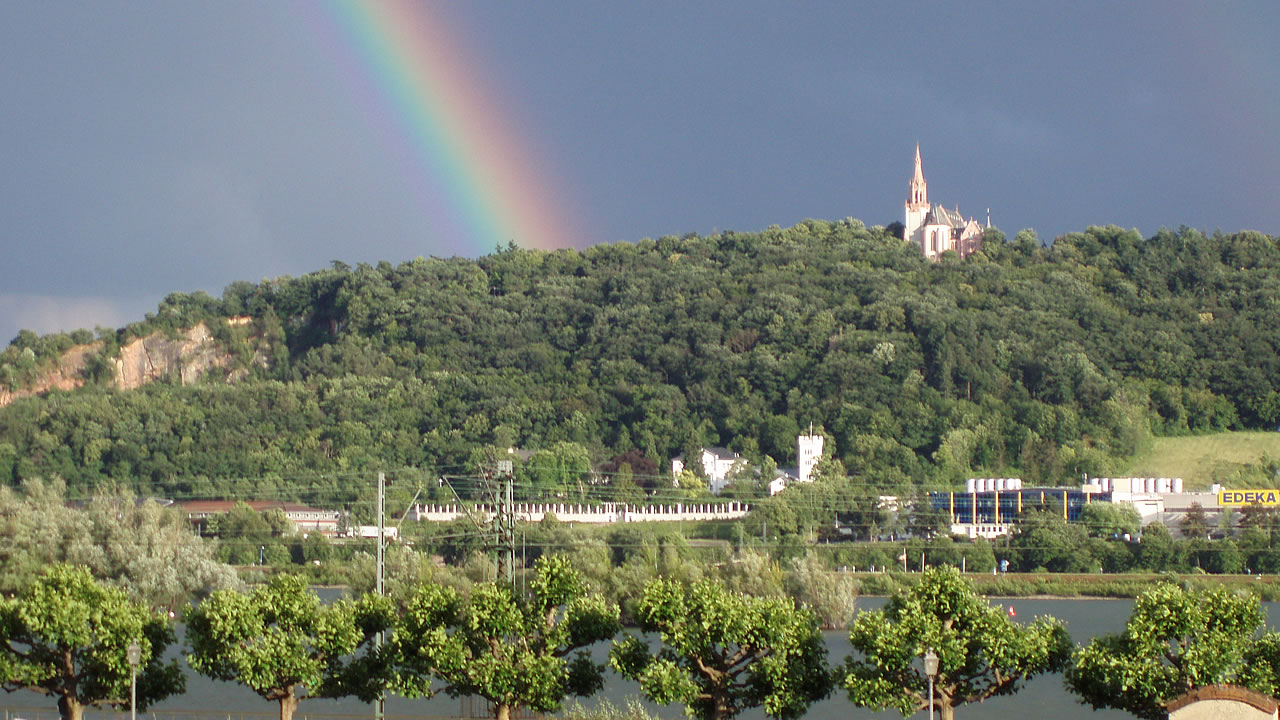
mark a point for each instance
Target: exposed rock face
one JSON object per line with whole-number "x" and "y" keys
{"x": 188, "y": 357}
{"x": 69, "y": 375}
{"x": 154, "y": 357}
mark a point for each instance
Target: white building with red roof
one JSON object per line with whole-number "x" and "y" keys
{"x": 305, "y": 519}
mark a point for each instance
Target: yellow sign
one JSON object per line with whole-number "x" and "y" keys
{"x": 1249, "y": 497}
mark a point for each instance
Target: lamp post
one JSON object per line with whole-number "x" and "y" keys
{"x": 931, "y": 669}
{"x": 133, "y": 654}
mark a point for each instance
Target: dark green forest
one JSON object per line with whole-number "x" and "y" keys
{"x": 1042, "y": 361}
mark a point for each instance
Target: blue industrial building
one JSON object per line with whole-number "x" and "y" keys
{"x": 1001, "y": 507}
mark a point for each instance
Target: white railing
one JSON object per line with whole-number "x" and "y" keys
{"x": 603, "y": 513}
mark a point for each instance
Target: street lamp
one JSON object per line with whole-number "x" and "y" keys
{"x": 133, "y": 654}
{"x": 931, "y": 669}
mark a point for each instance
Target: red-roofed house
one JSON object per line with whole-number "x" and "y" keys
{"x": 305, "y": 519}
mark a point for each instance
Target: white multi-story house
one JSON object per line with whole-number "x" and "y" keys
{"x": 717, "y": 463}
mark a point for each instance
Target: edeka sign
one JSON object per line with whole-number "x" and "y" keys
{"x": 1249, "y": 497}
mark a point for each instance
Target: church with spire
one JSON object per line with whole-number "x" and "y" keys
{"x": 935, "y": 229}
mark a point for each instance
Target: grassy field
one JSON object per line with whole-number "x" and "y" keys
{"x": 1203, "y": 459}
{"x": 1119, "y": 585}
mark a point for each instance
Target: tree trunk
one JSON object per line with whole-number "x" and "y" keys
{"x": 69, "y": 708}
{"x": 502, "y": 711}
{"x": 288, "y": 704}
{"x": 945, "y": 711}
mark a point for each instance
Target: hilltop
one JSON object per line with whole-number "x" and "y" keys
{"x": 1020, "y": 360}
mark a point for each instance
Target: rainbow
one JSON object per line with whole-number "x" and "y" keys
{"x": 457, "y": 135}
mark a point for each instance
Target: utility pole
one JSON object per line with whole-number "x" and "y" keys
{"x": 503, "y": 516}
{"x": 133, "y": 654}
{"x": 379, "y": 706}
{"x": 500, "y": 486}
{"x": 506, "y": 526}
{"x": 511, "y": 525}
{"x": 382, "y": 479}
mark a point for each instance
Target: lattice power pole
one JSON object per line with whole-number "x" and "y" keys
{"x": 497, "y": 485}
{"x": 500, "y": 487}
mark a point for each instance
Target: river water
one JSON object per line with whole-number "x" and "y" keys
{"x": 1043, "y": 698}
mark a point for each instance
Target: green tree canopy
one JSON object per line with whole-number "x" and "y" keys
{"x": 513, "y": 651}
{"x": 1158, "y": 550}
{"x": 148, "y": 551}
{"x": 831, "y": 596}
{"x": 1195, "y": 524}
{"x": 1175, "y": 640}
{"x": 561, "y": 471}
{"x": 1110, "y": 520}
{"x": 66, "y": 635}
{"x": 981, "y": 652}
{"x": 1040, "y": 361}
{"x": 279, "y": 641}
{"x": 1260, "y": 666}
{"x": 724, "y": 652}
{"x": 1044, "y": 539}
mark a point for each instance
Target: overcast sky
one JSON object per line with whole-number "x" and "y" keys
{"x": 154, "y": 147}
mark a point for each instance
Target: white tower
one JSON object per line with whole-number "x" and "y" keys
{"x": 808, "y": 453}
{"x": 917, "y": 206}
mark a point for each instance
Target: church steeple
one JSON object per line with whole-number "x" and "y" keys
{"x": 936, "y": 230}
{"x": 919, "y": 194}
{"x": 916, "y": 208}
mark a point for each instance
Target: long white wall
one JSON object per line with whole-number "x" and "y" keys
{"x": 601, "y": 514}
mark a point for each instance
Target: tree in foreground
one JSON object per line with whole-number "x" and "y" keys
{"x": 513, "y": 651}
{"x": 1174, "y": 641}
{"x": 148, "y": 551}
{"x": 279, "y": 641}
{"x": 67, "y": 635}
{"x": 981, "y": 652}
{"x": 1260, "y": 665}
{"x": 724, "y": 652}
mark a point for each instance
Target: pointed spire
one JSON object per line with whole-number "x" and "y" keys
{"x": 919, "y": 194}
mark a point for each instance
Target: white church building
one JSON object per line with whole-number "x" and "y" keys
{"x": 933, "y": 228}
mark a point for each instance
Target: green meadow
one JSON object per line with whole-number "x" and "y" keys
{"x": 1235, "y": 459}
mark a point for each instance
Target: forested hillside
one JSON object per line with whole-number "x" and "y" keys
{"x": 1043, "y": 363}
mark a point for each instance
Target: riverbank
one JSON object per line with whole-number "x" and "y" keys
{"x": 1067, "y": 586}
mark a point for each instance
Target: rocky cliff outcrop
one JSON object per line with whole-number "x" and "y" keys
{"x": 188, "y": 357}
{"x": 69, "y": 374}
